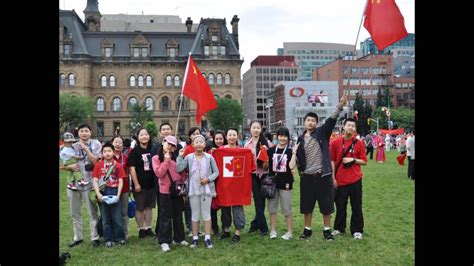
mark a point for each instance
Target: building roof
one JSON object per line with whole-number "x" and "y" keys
{"x": 273, "y": 60}
{"x": 89, "y": 43}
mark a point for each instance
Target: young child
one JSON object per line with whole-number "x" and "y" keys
{"x": 111, "y": 175}
{"x": 217, "y": 141}
{"x": 281, "y": 163}
{"x": 69, "y": 158}
{"x": 171, "y": 208}
{"x": 203, "y": 171}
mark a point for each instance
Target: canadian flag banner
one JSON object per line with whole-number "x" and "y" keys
{"x": 234, "y": 184}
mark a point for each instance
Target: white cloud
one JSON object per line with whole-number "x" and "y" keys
{"x": 263, "y": 27}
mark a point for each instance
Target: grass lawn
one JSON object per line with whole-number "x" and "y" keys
{"x": 388, "y": 206}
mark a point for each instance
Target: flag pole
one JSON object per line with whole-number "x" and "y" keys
{"x": 181, "y": 95}
{"x": 354, "y": 53}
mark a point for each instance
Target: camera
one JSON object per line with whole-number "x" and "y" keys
{"x": 349, "y": 164}
{"x": 89, "y": 167}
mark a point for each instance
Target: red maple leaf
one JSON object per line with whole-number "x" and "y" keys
{"x": 235, "y": 166}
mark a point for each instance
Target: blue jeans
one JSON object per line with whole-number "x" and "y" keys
{"x": 112, "y": 218}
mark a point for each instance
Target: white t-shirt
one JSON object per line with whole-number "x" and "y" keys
{"x": 411, "y": 147}
{"x": 66, "y": 153}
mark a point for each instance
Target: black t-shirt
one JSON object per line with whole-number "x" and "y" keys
{"x": 141, "y": 159}
{"x": 280, "y": 167}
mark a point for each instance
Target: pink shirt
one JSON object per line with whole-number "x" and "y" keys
{"x": 163, "y": 170}
{"x": 252, "y": 146}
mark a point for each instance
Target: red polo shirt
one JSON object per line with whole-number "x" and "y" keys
{"x": 347, "y": 176}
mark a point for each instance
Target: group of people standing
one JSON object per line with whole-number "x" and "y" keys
{"x": 330, "y": 174}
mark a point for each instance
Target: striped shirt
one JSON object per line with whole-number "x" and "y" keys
{"x": 314, "y": 156}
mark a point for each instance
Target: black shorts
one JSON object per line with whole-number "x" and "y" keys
{"x": 316, "y": 188}
{"x": 145, "y": 198}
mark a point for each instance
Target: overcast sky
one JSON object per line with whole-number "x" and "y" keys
{"x": 264, "y": 25}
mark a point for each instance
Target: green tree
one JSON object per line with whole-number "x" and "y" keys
{"x": 380, "y": 99}
{"x": 229, "y": 113}
{"x": 403, "y": 118}
{"x": 140, "y": 115}
{"x": 366, "y": 115}
{"x": 152, "y": 129}
{"x": 74, "y": 110}
{"x": 387, "y": 98}
{"x": 359, "y": 107}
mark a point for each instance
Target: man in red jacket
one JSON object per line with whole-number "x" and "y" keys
{"x": 347, "y": 155}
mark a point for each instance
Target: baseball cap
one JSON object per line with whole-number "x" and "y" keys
{"x": 68, "y": 137}
{"x": 171, "y": 140}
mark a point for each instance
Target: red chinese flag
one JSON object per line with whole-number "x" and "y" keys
{"x": 385, "y": 23}
{"x": 234, "y": 185}
{"x": 262, "y": 154}
{"x": 197, "y": 89}
{"x": 401, "y": 159}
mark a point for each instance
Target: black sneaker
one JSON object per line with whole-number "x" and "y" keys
{"x": 95, "y": 243}
{"x": 252, "y": 230}
{"x": 208, "y": 243}
{"x": 194, "y": 243}
{"x": 141, "y": 233}
{"x": 328, "y": 235}
{"x": 235, "y": 239}
{"x": 109, "y": 244}
{"x": 306, "y": 234}
{"x": 148, "y": 232}
{"x": 75, "y": 243}
{"x": 224, "y": 235}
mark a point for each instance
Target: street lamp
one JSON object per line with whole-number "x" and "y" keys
{"x": 388, "y": 114}
{"x": 268, "y": 106}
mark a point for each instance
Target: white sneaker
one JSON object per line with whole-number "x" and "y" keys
{"x": 182, "y": 243}
{"x": 336, "y": 232}
{"x": 287, "y": 236}
{"x": 165, "y": 247}
{"x": 357, "y": 235}
{"x": 190, "y": 234}
{"x": 273, "y": 234}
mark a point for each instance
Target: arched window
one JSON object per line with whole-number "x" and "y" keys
{"x": 216, "y": 96}
{"x": 140, "y": 81}
{"x": 204, "y": 75}
{"x": 62, "y": 79}
{"x": 116, "y": 104}
{"x": 211, "y": 79}
{"x": 131, "y": 102}
{"x": 164, "y": 103}
{"x": 149, "y": 81}
{"x": 183, "y": 105}
{"x": 132, "y": 81}
{"x": 72, "y": 80}
{"x": 219, "y": 79}
{"x": 227, "y": 79}
{"x": 99, "y": 104}
{"x": 176, "y": 81}
{"x": 112, "y": 81}
{"x": 228, "y": 96}
{"x": 149, "y": 103}
{"x": 168, "y": 81}
{"x": 103, "y": 81}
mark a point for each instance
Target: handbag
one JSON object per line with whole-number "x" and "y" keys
{"x": 268, "y": 187}
{"x": 177, "y": 188}
{"x": 131, "y": 207}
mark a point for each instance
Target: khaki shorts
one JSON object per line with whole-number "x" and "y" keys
{"x": 284, "y": 197}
